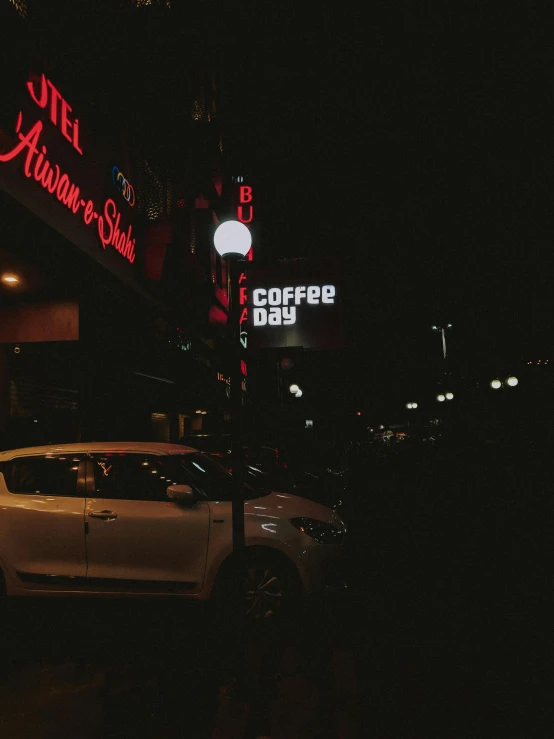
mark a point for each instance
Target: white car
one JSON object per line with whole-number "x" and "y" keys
{"x": 150, "y": 518}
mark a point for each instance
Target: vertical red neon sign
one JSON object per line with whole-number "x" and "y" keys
{"x": 245, "y": 214}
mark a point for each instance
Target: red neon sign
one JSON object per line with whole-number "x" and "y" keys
{"x": 56, "y": 182}
{"x": 245, "y": 199}
{"x": 57, "y": 103}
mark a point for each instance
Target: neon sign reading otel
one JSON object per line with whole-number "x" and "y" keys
{"x": 280, "y": 313}
{"x": 58, "y": 183}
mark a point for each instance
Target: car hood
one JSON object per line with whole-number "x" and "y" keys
{"x": 283, "y": 505}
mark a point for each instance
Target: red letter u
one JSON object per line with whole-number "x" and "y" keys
{"x": 240, "y": 214}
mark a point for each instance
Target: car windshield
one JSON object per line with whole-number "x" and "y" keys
{"x": 211, "y": 477}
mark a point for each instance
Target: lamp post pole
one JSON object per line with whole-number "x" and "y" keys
{"x": 442, "y": 331}
{"x": 237, "y": 452}
{"x": 232, "y": 241}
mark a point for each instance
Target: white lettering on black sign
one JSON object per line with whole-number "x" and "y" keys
{"x": 276, "y": 306}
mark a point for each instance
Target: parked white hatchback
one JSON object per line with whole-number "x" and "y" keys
{"x": 144, "y": 518}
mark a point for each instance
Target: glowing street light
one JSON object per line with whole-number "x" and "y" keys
{"x": 441, "y": 398}
{"x": 294, "y": 389}
{"x": 298, "y": 394}
{"x": 449, "y": 396}
{"x": 232, "y": 239}
{"x": 411, "y": 406}
{"x": 511, "y": 381}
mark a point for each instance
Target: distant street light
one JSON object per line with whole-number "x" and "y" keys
{"x": 298, "y": 394}
{"x": 411, "y": 406}
{"x": 449, "y": 396}
{"x": 511, "y": 381}
{"x": 442, "y": 331}
{"x": 441, "y": 398}
{"x": 294, "y": 389}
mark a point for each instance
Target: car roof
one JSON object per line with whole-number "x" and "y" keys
{"x": 144, "y": 447}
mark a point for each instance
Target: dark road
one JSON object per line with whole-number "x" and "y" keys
{"x": 444, "y": 630}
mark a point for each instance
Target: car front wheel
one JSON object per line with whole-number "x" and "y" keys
{"x": 272, "y": 588}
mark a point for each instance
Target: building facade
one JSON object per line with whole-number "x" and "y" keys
{"x": 113, "y": 177}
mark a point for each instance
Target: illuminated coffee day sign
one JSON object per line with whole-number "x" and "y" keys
{"x": 282, "y": 303}
{"x": 40, "y": 167}
{"x": 295, "y": 303}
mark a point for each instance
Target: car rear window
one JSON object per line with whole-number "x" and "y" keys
{"x": 43, "y": 475}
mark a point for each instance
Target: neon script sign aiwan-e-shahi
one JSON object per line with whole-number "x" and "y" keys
{"x": 58, "y": 183}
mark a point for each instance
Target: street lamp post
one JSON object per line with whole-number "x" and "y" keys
{"x": 442, "y": 331}
{"x": 232, "y": 241}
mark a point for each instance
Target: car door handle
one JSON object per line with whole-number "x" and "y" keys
{"x": 105, "y": 515}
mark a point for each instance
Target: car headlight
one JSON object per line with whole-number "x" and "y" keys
{"x": 322, "y": 532}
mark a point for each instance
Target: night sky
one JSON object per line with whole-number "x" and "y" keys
{"x": 418, "y": 148}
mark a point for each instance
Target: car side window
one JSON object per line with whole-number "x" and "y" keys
{"x": 51, "y": 474}
{"x": 133, "y": 476}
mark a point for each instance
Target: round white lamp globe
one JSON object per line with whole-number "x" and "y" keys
{"x": 414, "y": 405}
{"x": 449, "y": 396}
{"x": 512, "y": 381}
{"x": 496, "y": 384}
{"x": 441, "y": 398}
{"x": 232, "y": 239}
{"x": 294, "y": 389}
{"x": 409, "y": 405}
{"x": 298, "y": 394}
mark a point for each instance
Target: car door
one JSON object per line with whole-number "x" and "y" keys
{"x": 138, "y": 539}
{"x": 42, "y": 524}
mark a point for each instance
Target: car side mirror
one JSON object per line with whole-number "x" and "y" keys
{"x": 181, "y": 494}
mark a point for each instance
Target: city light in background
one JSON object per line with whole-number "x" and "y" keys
{"x": 511, "y": 381}
{"x": 9, "y": 279}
